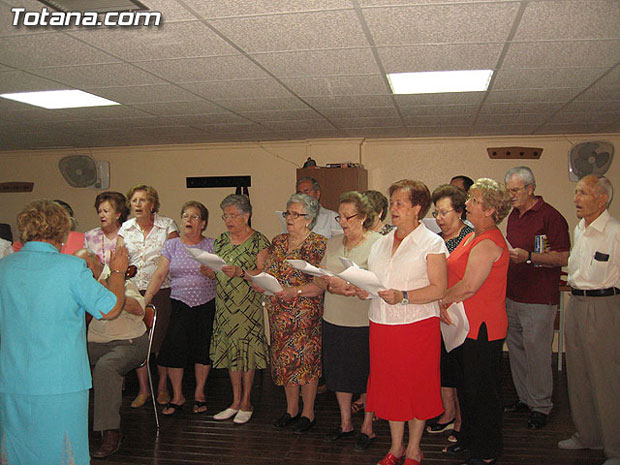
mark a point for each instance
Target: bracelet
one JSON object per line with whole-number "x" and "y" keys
{"x": 242, "y": 275}
{"x": 299, "y": 291}
{"x": 117, "y": 271}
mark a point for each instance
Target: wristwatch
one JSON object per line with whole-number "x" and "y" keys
{"x": 529, "y": 258}
{"x": 405, "y": 300}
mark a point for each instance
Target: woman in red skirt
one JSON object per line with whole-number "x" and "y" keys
{"x": 404, "y": 382}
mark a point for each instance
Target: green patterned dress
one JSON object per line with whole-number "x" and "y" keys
{"x": 238, "y": 341}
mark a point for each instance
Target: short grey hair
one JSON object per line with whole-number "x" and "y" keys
{"x": 241, "y": 202}
{"x": 311, "y": 205}
{"x": 602, "y": 185}
{"x": 524, "y": 173}
{"x": 315, "y": 184}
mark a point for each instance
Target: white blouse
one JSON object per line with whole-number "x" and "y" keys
{"x": 144, "y": 251}
{"x": 404, "y": 271}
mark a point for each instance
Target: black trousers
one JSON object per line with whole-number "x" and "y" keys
{"x": 480, "y": 395}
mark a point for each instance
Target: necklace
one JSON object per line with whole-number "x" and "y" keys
{"x": 293, "y": 244}
{"x": 350, "y": 245}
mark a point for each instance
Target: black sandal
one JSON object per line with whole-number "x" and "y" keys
{"x": 198, "y": 404}
{"x": 175, "y": 408}
{"x": 455, "y": 449}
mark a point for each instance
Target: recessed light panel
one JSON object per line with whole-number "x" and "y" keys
{"x": 56, "y": 99}
{"x": 440, "y": 81}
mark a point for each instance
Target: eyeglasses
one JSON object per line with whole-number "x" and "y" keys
{"x": 185, "y": 216}
{"x": 293, "y": 215}
{"x": 346, "y": 218}
{"x": 231, "y": 216}
{"x": 441, "y": 213}
{"x": 516, "y": 190}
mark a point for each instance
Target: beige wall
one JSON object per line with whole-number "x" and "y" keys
{"x": 272, "y": 167}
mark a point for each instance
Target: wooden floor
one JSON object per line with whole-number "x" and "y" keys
{"x": 198, "y": 439}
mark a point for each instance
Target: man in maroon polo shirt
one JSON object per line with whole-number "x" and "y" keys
{"x": 539, "y": 235}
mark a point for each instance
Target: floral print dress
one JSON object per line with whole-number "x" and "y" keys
{"x": 296, "y": 325}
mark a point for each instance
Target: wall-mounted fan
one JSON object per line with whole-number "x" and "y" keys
{"x": 83, "y": 171}
{"x": 593, "y": 157}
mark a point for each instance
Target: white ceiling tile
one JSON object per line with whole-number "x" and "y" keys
{"x": 528, "y": 107}
{"x": 170, "y": 10}
{"x": 282, "y": 32}
{"x": 178, "y": 108}
{"x": 565, "y": 20}
{"x": 175, "y": 40}
{"x": 545, "y": 78}
{"x": 532, "y": 95}
{"x": 597, "y": 93}
{"x": 464, "y": 98}
{"x": 54, "y": 49}
{"x": 319, "y": 62}
{"x": 568, "y": 128}
{"x": 503, "y": 129}
{"x": 353, "y": 101}
{"x": 281, "y": 115}
{"x": 438, "y": 120}
{"x": 84, "y": 77}
{"x": 337, "y": 85}
{"x": 490, "y": 22}
{"x": 7, "y": 17}
{"x": 438, "y": 131}
{"x": 611, "y": 80}
{"x": 608, "y": 105}
{"x": 436, "y": 57}
{"x": 312, "y": 134}
{"x": 569, "y": 54}
{"x": 145, "y": 94}
{"x": 489, "y": 119}
{"x": 437, "y": 110}
{"x": 587, "y": 117}
{"x": 201, "y": 119}
{"x": 360, "y": 112}
{"x": 367, "y": 122}
{"x": 238, "y": 88}
{"x": 21, "y": 81}
{"x": 204, "y": 69}
{"x": 241, "y": 105}
{"x": 299, "y": 125}
{"x": 116, "y": 111}
{"x": 211, "y": 9}
{"x": 377, "y": 132}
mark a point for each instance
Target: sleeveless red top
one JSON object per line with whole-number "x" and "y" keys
{"x": 488, "y": 304}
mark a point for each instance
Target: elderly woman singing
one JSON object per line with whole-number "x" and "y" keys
{"x": 404, "y": 382}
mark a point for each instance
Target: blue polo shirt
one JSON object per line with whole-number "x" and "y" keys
{"x": 43, "y": 299}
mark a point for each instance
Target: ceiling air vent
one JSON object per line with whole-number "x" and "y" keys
{"x": 100, "y": 6}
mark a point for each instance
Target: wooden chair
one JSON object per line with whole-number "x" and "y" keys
{"x": 150, "y": 320}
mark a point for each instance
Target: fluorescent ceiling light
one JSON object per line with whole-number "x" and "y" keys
{"x": 55, "y": 99}
{"x": 440, "y": 81}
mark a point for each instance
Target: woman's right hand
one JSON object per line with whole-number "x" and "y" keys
{"x": 206, "y": 271}
{"x": 444, "y": 315}
{"x": 119, "y": 260}
{"x": 230, "y": 271}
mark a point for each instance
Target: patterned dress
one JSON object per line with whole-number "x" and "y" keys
{"x": 295, "y": 326}
{"x": 238, "y": 341}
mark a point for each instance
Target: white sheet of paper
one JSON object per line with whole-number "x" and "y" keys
{"x": 267, "y": 282}
{"x": 431, "y": 225}
{"x": 347, "y": 262}
{"x": 363, "y": 279}
{"x": 307, "y": 268}
{"x": 282, "y": 220}
{"x": 211, "y": 260}
{"x": 454, "y": 334}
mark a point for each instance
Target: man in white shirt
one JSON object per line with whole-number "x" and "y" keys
{"x": 326, "y": 223}
{"x": 593, "y": 322}
{"x": 115, "y": 347}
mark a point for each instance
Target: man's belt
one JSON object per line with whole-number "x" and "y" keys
{"x": 595, "y": 292}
